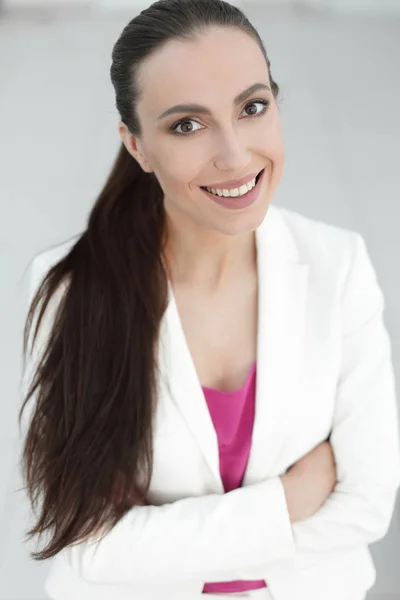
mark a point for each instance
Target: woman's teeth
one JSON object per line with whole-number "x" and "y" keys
{"x": 241, "y": 191}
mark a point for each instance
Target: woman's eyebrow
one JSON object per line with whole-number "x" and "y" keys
{"x": 179, "y": 108}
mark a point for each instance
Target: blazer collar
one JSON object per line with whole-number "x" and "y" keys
{"x": 282, "y": 289}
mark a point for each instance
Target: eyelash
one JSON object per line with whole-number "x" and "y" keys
{"x": 173, "y": 127}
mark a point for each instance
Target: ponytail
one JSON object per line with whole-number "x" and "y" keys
{"x": 89, "y": 445}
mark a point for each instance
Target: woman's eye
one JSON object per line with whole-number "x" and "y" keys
{"x": 184, "y": 123}
{"x": 264, "y": 103}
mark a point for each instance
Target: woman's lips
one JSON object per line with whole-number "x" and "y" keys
{"x": 220, "y": 187}
{"x": 237, "y": 202}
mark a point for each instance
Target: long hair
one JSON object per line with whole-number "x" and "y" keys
{"x": 87, "y": 456}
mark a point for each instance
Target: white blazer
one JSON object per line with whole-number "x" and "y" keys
{"x": 324, "y": 369}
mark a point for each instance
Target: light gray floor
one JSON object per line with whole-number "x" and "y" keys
{"x": 341, "y": 116}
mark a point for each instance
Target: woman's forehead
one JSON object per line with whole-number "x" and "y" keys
{"x": 186, "y": 72}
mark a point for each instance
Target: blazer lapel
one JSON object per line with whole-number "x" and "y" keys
{"x": 283, "y": 286}
{"x": 282, "y": 289}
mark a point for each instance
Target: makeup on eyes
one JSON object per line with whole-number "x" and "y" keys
{"x": 174, "y": 126}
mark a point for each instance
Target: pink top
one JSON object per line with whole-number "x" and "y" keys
{"x": 233, "y": 417}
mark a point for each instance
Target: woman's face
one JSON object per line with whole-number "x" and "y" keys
{"x": 193, "y": 148}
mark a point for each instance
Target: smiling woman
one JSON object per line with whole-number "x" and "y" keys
{"x": 187, "y": 349}
{"x": 96, "y": 389}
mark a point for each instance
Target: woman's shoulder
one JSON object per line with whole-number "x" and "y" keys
{"x": 41, "y": 263}
{"x": 49, "y": 255}
{"x": 317, "y": 239}
{"x": 301, "y": 223}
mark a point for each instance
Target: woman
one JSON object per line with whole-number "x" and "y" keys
{"x": 167, "y": 468}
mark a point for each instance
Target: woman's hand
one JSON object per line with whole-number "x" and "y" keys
{"x": 309, "y": 482}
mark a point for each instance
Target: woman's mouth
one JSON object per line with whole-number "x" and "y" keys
{"x": 228, "y": 195}
{"x": 237, "y": 201}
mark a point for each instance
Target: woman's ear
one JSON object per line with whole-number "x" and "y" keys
{"x": 132, "y": 144}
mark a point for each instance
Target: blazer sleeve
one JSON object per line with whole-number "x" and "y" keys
{"x": 365, "y": 433}
{"x": 213, "y": 537}
{"x": 209, "y": 538}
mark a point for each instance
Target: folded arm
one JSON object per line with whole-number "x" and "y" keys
{"x": 210, "y": 538}
{"x": 365, "y": 433}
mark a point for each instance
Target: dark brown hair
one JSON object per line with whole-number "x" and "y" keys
{"x": 88, "y": 450}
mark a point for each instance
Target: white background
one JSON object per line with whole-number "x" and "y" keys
{"x": 340, "y": 80}
{"x": 374, "y": 6}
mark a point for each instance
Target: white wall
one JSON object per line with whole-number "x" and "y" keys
{"x": 9, "y": 4}
{"x": 349, "y": 6}
{"x": 374, "y": 6}
{"x": 371, "y": 6}
{"x": 134, "y": 5}
{"x": 346, "y": 6}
